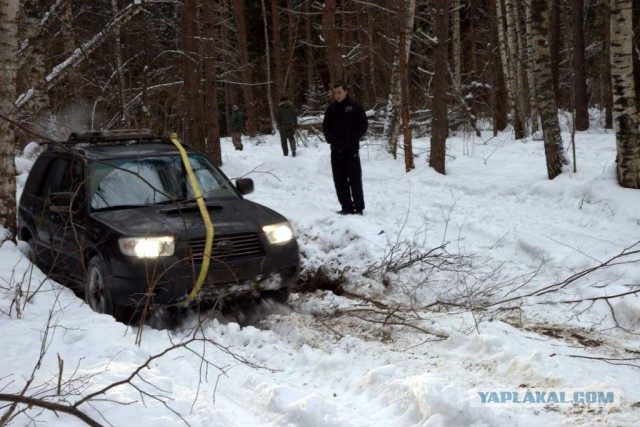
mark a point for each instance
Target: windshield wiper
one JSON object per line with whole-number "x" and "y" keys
{"x": 118, "y": 207}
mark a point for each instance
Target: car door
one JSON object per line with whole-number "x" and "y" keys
{"x": 61, "y": 227}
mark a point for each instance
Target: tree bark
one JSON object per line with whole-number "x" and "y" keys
{"x": 580, "y": 95}
{"x": 607, "y": 91}
{"x": 330, "y": 35}
{"x": 243, "y": 51}
{"x": 440, "y": 125}
{"x": 211, "y": 111}
{"x": 533, "y": 113}
{"x": 119, "y": 71}
{"x": 272, "y": 115}
{"x": 456, "y": 44}
{"x": 8, "y": 71}
{"x": 406, "y": 33}
{"x": 624, "y": 94}
{"x": 554, "y": 46}
{"x": 508, "y": 58}
{"x": 499, "y": 94}
{"x": 277, "y": 48}
{"x": 547, "y": 106}
{"x": 191, "y": 63}
{"x": 394, "y": 107}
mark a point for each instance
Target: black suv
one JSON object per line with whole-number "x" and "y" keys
{"x": 113, "y": 214}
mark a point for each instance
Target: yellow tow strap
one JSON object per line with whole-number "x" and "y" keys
{"x": 205, "y": 216}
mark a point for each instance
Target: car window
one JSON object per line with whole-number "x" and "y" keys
{"x": 151, "y": 180}
{"x": 64, "y": 175}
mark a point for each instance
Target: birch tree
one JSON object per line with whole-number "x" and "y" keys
{"x": 544, "y": 91}
{"x": 508, "y": 54}
{"x": 624, "y": 92}
{"x": 8, "y": 70}
{"x": 394, "y": 106}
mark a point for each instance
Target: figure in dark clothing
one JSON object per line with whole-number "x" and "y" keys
{"x": 344, "y": 124}
{"x": 287, "y": 120}
{"x": 237, "y": 126}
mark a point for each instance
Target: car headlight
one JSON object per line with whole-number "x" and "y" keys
{"x": 148, "y": 247}
{"x": 278, "y": 233}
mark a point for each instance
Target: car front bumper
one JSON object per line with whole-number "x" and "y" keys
{"x": 170, "y": 280}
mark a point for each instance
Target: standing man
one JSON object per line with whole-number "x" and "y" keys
{"x": 237, "y": 126}
{"x": 344, "y": 124}
{"x": 287, "y": 120}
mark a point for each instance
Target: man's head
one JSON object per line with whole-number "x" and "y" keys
{"x": 235, "y": 107}
{"x": 283, "y": 98}
{"x": 340, "y": 91}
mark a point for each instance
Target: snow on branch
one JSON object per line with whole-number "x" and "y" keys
{"x": 82, "y": 52}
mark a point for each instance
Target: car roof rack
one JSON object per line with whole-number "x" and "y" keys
{"x": 97, "y": 136}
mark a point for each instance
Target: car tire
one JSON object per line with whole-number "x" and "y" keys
{"x": 32, "y": 255}
{"x": 96, "y": 291}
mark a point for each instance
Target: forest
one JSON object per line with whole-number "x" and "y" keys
{"x": 421, "y": 67}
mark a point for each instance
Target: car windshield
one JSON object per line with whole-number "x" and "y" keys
{"x": 151, "y": 180}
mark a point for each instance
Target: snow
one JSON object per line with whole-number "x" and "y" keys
{"x": 398, "y": 347}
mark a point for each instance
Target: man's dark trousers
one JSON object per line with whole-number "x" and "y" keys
{"x": 347, "y": 177}
{"x": 287, "y": 133}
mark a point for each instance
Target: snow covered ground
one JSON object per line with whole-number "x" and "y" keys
{"x": 493, "y": 296}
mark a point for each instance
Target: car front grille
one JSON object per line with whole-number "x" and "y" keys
{"x": 227, "y": 248}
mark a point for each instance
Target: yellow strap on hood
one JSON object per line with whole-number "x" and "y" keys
{"x": 206, "y": 259}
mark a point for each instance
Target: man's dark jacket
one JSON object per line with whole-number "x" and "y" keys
{"x": 344, "y": 124}
{"x": 286, "y": 116}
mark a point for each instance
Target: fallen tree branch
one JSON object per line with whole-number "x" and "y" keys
{"x": 56, "y": 407}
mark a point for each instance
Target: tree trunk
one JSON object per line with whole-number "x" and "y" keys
{"x": 547, "y": 106}
{"x": 330, "y": 35}
{"x": 473, "y": 39}
{"x": 456, "y": 44}
{"x": 211, "y": 112}
{"x": 32, "y": 68}
{"x": 277, "y": 48}
{"x": 508, "y": 58}
{"x": 119, "y": 71}
{"x": 406, "y": 31}
{"x": 554, "y": 46}
{"x": 193, "y": 131}
{"x": 290, "y": 83}
{"x": 624, "y": 94}
{"x": 272, "y": 115}
{"x": 440, "y": 125}
{"x": 533, "y": 113}
{"x": 247, "y": 82}
{"x": 311, "y": 101}
{"x": 8, "y": 71}
{"x": 499, "y": 93}
{"x": 607, "y": 91}
{"x": 580, "y": 95}
{"x": 394, "y": 108}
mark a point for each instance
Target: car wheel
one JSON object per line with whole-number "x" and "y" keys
{"x": 96, "y": 292}
{"x": 32, "y": 254}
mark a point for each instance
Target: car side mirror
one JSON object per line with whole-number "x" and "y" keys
{"x": 244, "y": 185}
{"x": 62, "y": 202}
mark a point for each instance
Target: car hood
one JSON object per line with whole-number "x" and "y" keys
{"x": 227, "y": 216}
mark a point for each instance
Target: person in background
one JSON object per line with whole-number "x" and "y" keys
{"x": 345, "y": 123}
{"x": 237, "y": 126}
{"x": 287, "y": 120}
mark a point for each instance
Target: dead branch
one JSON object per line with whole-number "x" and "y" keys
{"x": 56, "y": 407}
